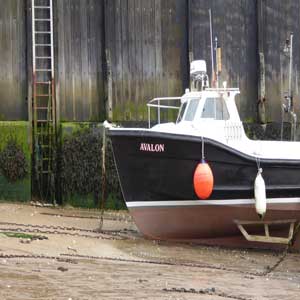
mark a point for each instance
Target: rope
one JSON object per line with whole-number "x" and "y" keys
{"x": 202, "y": 148}
{"x": 258, "y": 163}
{"x": 102, "y": 203}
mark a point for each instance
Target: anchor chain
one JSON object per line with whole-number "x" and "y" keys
{"x": 61, "y": 230}
{"x": 166, "y": 263}
{"x": 207, "y": 291}
{"x": 71, "y": 258}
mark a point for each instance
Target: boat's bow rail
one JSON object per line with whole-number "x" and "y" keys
{"x": 162, "y": 103}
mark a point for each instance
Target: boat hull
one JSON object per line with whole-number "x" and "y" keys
{"x": 212, "y": 224}
{"x": 156, "y": 175}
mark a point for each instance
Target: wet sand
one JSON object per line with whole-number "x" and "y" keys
{"x": 75, "y": 262}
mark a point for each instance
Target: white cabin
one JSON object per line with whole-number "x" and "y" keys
{"x": 212, "y": 113}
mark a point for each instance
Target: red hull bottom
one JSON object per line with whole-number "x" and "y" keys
{"x": 214, "y": 225}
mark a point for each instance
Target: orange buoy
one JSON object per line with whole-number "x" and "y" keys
{"x": 203, "y": 180}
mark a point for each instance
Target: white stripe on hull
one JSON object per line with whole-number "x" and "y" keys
{"x": 209, "y": 202}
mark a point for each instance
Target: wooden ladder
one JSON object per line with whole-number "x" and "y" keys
{"x": 44, "y": 119}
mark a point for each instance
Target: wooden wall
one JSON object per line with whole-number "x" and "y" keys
{"x": 147, "y": 45}
{"x": 13, "y": 81}
{"x": 277, "y": 20}
{"x": 235, "y": 25}
{"x": 79, "y": 59}
{"x": 147, "y": 50}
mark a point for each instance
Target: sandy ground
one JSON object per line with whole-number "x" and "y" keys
{"x": 77, "y": 263}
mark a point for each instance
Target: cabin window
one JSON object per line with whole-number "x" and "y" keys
{"x": 215, "y": 108}
{"x": 181, "y": 112}
{"x": 191, "y": 110}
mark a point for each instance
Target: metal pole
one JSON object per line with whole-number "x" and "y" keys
{"x": 217, "y": 71}
{"x": 149, "y": 122}
{"x": 291, "y": 104}
{"x": 291, "y": 70}
{"x": 158, "y": 111}
{"x": 211, "y": 50}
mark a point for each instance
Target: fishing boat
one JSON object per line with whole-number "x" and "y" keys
{"x": 248, "y": 193}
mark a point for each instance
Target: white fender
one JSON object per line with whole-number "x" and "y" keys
{"x": 260, "y": 194}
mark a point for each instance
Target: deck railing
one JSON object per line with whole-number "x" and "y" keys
{"x": 156, "y": 103}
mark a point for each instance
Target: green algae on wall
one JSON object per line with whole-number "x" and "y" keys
{"x": 21, "y": 189}
{"x": 81, "y": 168}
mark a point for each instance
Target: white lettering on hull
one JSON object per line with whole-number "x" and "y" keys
{"x": 152, "y": 147}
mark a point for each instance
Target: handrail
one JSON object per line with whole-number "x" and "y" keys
{"x": 222, "y": 89}
{"x": 159, "y": 106}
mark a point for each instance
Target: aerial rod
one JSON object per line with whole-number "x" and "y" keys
{"x": 211, "y": 50}
{"x": 288, "y": 106}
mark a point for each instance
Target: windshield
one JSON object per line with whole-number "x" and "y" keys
{"x": 215, "y": 108}
{"x": 191, "y": 110}
{"x": 181, "y": 112}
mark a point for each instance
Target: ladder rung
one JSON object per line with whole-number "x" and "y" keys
{"x": 43, "y": 95}
{"x": 44, "y": 121}
{"x": 42, "y": 20}
{"x": 43, "y": 57}
{"x": 43, "y": 70}
{"x": 43, "y": 82}
{"x": 42, "y": 7}
{"x": 42, "y": 108}
{"x": 42, "y": 32}
{"x": 42, "y": 45}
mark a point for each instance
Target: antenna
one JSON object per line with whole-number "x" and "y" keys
{"x": 218, "y": 61}
{"x": 211, "y": 51}
{"x": 288, "y": 106}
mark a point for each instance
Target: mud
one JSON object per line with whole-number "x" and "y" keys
{"x": 117, "y": 263}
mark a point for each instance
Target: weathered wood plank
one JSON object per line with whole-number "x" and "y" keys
{"x": 158, "y": 49}
{"x": 83, "y": 9}
{"x": 13, "y": 78}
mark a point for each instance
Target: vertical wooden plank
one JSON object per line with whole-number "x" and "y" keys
{"x": 151, "y": 43}
{"x": 89, "y": 50}
{"x": 97, "y": 53}
{"x": 28, "y": 60}
{"x": 118, "y": 107}
{"x": 131, "y": 57}
{"x": 60, "y": 63}
{"x": 109, "y": 31}
{"x": 69, "y": 99}
{"x": 83, "y": 8}
{"x": 158, "y": 49}
{"x": 100, "y": 34}
{"x": 78, "y": 40}
{"x": 138, "y": 55}
{"x": 124, "y": 57}
{"x": 94, "y": 65}
{"x": 165, "y": 45}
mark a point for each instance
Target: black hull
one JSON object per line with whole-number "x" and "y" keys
{"x": 168, "y": 175}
